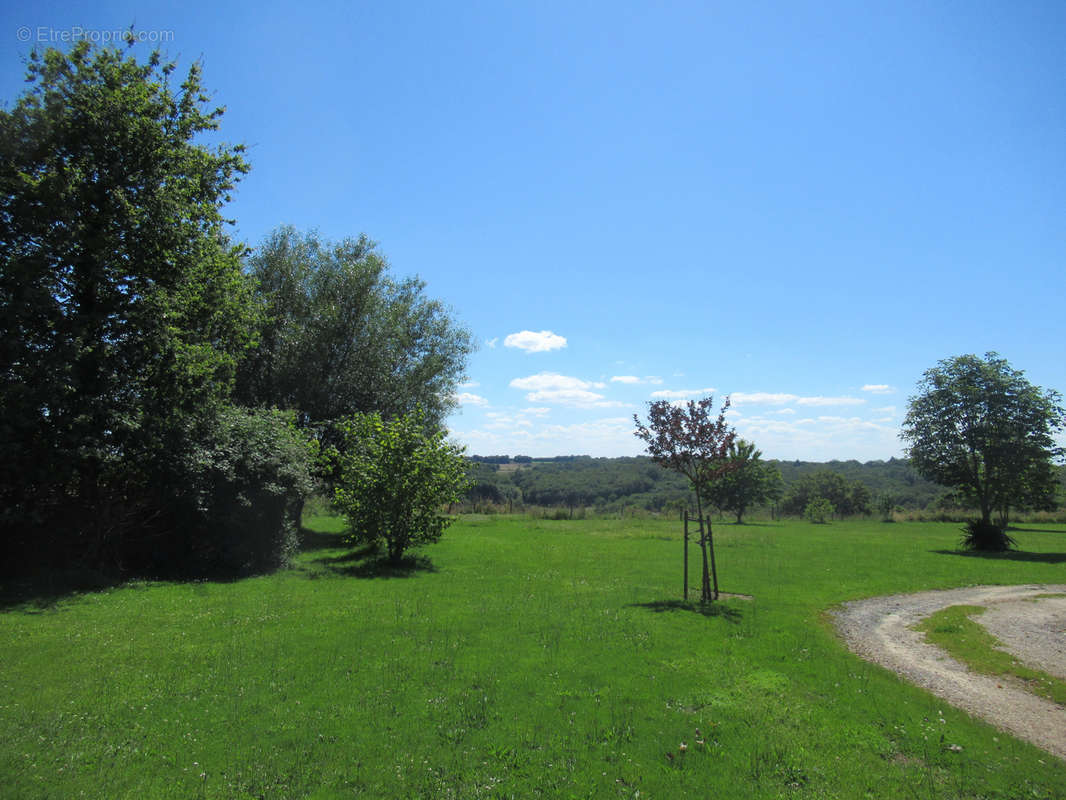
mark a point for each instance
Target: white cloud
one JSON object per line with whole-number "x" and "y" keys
{"x": 821, "y": 438}
{"x": 549, "y": 380}
{"x": 536, "y": 411}
{"x": 781, "y": 398}
{"x": 535, "y": 342}
{"x": 765, "y": 398}
{"x": 681, "y": 394}
{"x": 492, "y": 342}
{"x": 471, "y": 399}
{"x": 625, "y": 379}
{"x": 878, "y": 388}
{"x": 829, "y": 401}
{"x": 580, "y": 398}
{"x": 551, "y": 387}
{"x": 884, "y": 410}
{"x": 786, "y": 411}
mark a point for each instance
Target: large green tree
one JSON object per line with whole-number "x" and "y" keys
{"x": 978, "y": 425}
{"x": 339, "y": 335}
{"x": 749, "y": 483}
{"x": 123, "y": 308}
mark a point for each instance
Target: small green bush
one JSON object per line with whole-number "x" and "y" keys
{"x": 395, "y": 477}
{"x": 818, "y": 510}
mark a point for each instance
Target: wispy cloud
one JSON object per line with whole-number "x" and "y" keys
{"x": 878, "y": 388}
{"x": 535, "y": 341}
{"x": 655, "y": 380}
{"x": 781, "y": 398}
{"x": 471, "y": 399}
{"x": 492, "y": 342}
{"x": 819, "y": 438}
{"x": 551, "y": 387}
{"x": 612, "y": 436}
{"x": 681, "y": 394}
{"x": 579, "y": 398}
{"x": 549, "y": 380}
{"x": 829, "y": 401}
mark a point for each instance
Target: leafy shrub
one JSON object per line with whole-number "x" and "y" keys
{"x": 245, "y": 484}
{"x": 818, "y": 510}
{"x": 986, "y": 537}
{"x": 395, "y": 476}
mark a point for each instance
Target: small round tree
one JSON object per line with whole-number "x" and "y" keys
{"x": 395, "y": 477}
{"x": 818, "y": 510}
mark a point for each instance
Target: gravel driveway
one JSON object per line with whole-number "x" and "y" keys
{"x": 1034, "y": 631}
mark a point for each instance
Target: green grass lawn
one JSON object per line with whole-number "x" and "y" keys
{"x": 517, "y": 658}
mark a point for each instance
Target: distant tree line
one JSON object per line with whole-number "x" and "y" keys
{"x": 613, "y": 484}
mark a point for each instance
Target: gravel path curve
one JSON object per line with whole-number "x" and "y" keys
{"x": 1034, "y": 631}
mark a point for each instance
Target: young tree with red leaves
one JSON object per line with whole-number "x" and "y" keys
{"x": 686, "y": 439}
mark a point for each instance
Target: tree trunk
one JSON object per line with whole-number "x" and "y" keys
{"x": 705, "y": 581}
{"x": 714, "y": 568}
{"x": 685, "y": 518}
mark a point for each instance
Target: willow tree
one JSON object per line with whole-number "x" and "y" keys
{"x": 688, "y": 439}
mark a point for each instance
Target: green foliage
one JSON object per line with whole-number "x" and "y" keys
{"x": 886, "y": 504}
{"x": 123, "y": 308}
{"x": 749, "y": 482}
{"x": 818, "y": 510}
{"x": 394, "y": 477}
{"x": 986, "y": 536}
{"x": 979, "y": 426}
{"x": 846, "y": 497}
{"x": 340, "y": 336}
{"x": 607, "y": 483}
{"x": 245, "y": 487}
{"x": 689, "y": 440}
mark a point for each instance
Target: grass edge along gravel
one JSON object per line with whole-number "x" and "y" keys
{"x": 954, "y": 630}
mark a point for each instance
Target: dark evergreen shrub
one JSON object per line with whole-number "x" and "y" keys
{"x": 986, "y": 537}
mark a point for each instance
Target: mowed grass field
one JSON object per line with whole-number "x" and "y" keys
{"x": 517, "y": 658}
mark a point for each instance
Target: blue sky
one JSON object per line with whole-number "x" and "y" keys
{"x": 801, "y": 205}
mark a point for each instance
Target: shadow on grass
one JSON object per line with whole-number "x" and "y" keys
{"x": 368, "y": 561}
{"x": 360, "y": 553}
{"x": 1008, "y": 555}
{"x": 316, "y": 540}
{"x": 1037, "y": 530}
{"x": 42, "y": 591}
{"x": 727, "y": 613}
{"x": 382, "y": 567}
